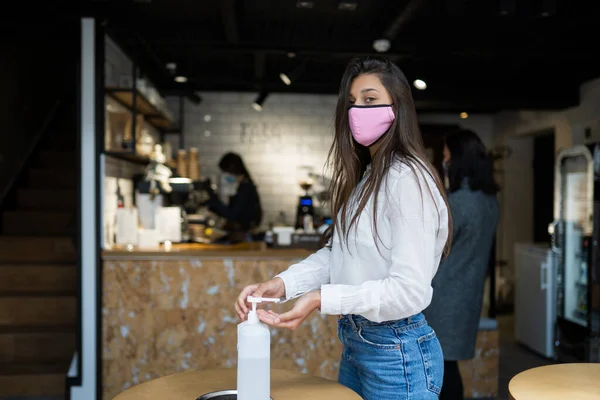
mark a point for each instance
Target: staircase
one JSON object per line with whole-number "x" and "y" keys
{"x": 38, "y": 274}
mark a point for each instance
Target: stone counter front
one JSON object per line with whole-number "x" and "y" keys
{"x": 165, "y": 316}
{"x": 167, "y": 313}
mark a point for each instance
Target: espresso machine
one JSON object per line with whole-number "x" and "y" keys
{"x": 305, "y": 211}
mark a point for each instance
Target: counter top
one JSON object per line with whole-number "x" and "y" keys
{"x": 255, "y": 250}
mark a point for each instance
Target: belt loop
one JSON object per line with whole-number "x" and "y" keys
{"x": 351, "y": 319}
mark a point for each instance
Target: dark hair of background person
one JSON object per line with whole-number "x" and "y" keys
{"x": 348, "y": 159}
{"x": 470, "y": 159}
{"x": 232, "y": 163}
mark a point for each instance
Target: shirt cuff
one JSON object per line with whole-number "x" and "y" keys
{"x": 288, "y": 283}
{"x": 331, "y": 299}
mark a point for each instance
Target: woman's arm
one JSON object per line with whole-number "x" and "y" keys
{"x": 307, "y": 275}
{"x": 417, "y": 239}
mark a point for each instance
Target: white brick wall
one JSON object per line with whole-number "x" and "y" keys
{"x": 291, "y": 131}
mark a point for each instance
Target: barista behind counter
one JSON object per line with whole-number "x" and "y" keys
{"x": 243, "y": 212}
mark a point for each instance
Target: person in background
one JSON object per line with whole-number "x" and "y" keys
{"x": 243, "y": 212}
{"x": 390, "y": 228}
{"x": 455, "y": 310}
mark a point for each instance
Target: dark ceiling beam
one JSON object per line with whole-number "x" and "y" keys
{"x": 341, "y": 52}
{"x": 470, "y": 99}
{"x": 409, "y": 12}
{"x": 230, "y": 25}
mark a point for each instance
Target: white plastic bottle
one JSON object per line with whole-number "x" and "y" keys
{"x": 254, "y": 356}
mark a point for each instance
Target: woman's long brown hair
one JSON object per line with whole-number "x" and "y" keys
{"x": 348, "y": 159}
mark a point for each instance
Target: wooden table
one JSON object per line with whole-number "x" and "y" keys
{"x": 285, "y": 385}
{"x": 554, "y": 382}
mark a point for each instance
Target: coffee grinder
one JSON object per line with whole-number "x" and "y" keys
{"x": 305, "y": 212}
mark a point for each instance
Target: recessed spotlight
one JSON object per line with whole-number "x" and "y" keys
{"x": 207, "y": 118}
{"x": 260, "y": 99}
{"x": 286, "y": 79}
{"x": 464, "y": 115}
{"x": 420, "y": 84}
{"x": 381, "y": 45}
{"x": 291, "y": 54}
{"x": 207, "y": 133}
{"x": 171, "y": 66}
{"x": 305, "y": 4}
{"x": 348, "y": 5}
{"x": 181, "y": 79}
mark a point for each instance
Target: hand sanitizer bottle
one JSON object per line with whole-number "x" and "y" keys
{"x": 254, "y": 356}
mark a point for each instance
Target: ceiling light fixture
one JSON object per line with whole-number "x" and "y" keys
{"x": 305, "y": 4}
{"x": 286, "y": 79}
{"x": 258, "y": 103}
{"x": 382, "y": 45}
{"x": 293, "y": 75}
{"x": 348, "y": 5}
{"x": 291, "y": 54}
{"x": 181, "y": 79}
{"x": 172, "y": 67}
{"x": 420, "y": 84}
{"x": 464, "y": 115}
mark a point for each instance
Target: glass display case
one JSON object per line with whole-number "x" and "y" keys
{"x": 575, "y": 242}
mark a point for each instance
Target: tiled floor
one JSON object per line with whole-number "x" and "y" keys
{"x": 513, "y": 357}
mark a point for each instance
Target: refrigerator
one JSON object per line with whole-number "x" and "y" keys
{"x": 535, "y": 297}
{"x": 575, "y": 234}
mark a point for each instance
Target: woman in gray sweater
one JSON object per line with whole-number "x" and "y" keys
{"x": 458, "y": 285}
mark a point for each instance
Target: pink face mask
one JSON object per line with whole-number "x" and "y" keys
{"x": 369, "y": 123}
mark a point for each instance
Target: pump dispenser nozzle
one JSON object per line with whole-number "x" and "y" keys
{"x": 252, "y": 316}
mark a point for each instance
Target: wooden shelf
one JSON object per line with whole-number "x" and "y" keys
{"x": 134, "y": 157}
{"x": 152, "y": 114}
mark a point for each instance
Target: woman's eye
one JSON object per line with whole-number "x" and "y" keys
{"x": 369, "y": 100}
{"x": 351, "y": 102}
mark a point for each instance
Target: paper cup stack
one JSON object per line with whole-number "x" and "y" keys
{"x": 182, "y": 165}
{"x": 193, "y": 166}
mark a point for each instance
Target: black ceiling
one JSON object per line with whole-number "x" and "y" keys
{"x": 475, "y": 55}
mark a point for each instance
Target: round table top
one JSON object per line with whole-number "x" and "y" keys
{"x": 559, "y": 381}
{"x": 285, "y": 385}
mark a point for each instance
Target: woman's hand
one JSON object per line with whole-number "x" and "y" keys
{"x": 272, "y": 288}
{"x": 292, "y": 319}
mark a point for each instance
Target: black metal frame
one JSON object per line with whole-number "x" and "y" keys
{"x": 135, "y": 73}
{"x": 570, "y": 338}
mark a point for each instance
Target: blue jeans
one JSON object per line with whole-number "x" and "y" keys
{"x": 392, "y": 360}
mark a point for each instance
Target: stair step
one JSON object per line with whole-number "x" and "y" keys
{"x": 38, "y": 310}
{"x": 46, "y": 199}
{"x": 33, "y": 379}
{"x": 30, "y": 222}
{"x": 38, "y": 328}
{"x": 31, "y": 249}
{"x": 41, "y": 178}
{"x": 26, "y": 279}
{"x": 55, "y": 158}
{"x": 37, "y": 347}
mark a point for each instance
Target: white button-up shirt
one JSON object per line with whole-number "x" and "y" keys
{"x": 386, "y": 275}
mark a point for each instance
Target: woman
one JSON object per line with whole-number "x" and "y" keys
{"x": 244, "y": 212}
{"x": 458, "y": 286}
{"x": 390, "y": 230}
